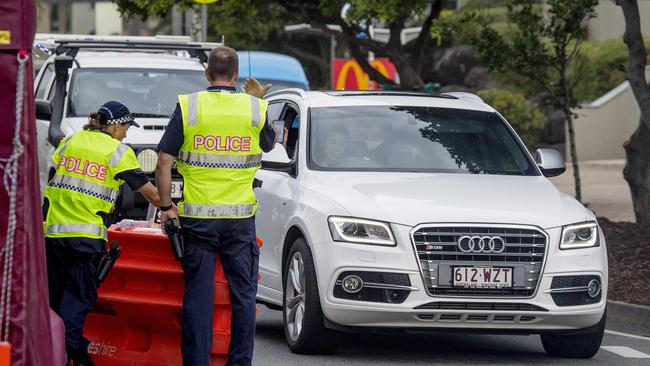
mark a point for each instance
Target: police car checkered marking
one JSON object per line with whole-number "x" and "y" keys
{"x": 222, "y": 165}
{"x": 84, "y": 191}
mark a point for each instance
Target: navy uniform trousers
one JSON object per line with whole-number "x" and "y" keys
{"x": 71, "y": 273}
{"x": 235, "y": 242}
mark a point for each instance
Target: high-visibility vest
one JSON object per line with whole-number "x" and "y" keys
{"x": 84, "y": 184}
{"x": 220, "y": 154}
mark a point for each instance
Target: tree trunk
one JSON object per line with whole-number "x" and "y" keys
{"x": 637, "y": 173}
{"x": 574, "y": 155}
{"x": 409, "y": 79}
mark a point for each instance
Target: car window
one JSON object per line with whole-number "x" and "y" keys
{"x": 274, "y": 110}
{"x": 48, "y": 74}
{"x": 291, "y": 117}
{"x": 419, "y": 139}
{"x": 146, "y": 92}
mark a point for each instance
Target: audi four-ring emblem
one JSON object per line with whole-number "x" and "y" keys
{"x": 481, "y": 244}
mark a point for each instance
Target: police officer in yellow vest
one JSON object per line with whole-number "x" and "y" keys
{"x": 216, "y": 137}
{"x": 91, "y": 166}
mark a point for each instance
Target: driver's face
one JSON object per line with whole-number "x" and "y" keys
{"x": 335, "y": 144}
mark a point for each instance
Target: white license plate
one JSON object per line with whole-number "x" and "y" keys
{"x": 177, "y": 189}
{"x": 482, "y": 277}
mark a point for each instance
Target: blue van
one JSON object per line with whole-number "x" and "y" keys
{"x": 282, "y": 71}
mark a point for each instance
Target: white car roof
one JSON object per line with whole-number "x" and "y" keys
{"x": 130, "y": 60}
{"x": 363, "y": 97}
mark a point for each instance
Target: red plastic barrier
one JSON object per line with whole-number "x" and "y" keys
{"x": 137, "y": 317}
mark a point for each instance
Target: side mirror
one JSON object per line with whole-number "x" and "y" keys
{"x": 43, "y": 109}
{"x": 277, "y": 160}
{"x": 550, "y": 162}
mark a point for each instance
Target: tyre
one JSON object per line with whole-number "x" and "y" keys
{"x": 302, "y": 314}
{"x": 581, "y": 345}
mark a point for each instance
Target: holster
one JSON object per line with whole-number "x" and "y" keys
{"x": 175, "y": 235}
{"x": 107, "y": 261}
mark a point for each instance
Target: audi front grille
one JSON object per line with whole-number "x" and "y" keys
{"x": 438, "y": 252}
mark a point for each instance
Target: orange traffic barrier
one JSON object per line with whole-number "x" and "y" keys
{"x": 137, "y": 317}
{"x": 5, "y": 354}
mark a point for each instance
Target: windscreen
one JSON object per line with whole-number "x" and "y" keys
{"x": 414, "y": 139}
{"x": 146, "y": 92}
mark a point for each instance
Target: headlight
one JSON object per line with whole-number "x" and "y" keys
{"x": 147, "y": 158}
{"x": 584, "y": 235}
{"x": 360, "y": 231}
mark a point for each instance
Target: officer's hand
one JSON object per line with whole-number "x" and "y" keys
{"x": 254, "y": 88}
{"x": 167, "y": 216}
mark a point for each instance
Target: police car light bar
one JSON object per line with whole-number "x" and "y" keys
{"x": 71, "y": 43}
{"x": 52, "y": 38}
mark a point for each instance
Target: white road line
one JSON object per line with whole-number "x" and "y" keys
{"x": 613, "y": 332}
{"x": 626, "y": 352}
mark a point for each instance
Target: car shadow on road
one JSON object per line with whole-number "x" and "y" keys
{"x": 390, "y": 349}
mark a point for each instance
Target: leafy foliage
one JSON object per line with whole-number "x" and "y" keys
{"x": 542, "y": 48}
{"x": 524, "y": 116}
{"x": 602, "y": 67}
{"x": 256, "y": 23}
{"x": 145, "y": 8}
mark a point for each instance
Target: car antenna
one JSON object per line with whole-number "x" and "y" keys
{"x": 250, "y": 74}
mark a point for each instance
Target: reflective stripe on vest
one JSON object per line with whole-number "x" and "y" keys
{"x": 64, "y": 146}
{"x": 84, "y": 186}
{"x": 199, "y": 210}
{"x": 220, "y": 161}
{"x": 255, "y": 107}
{"x": 192, "y": 108}
{"x": 118, "y": 154}
{"x": 77, "y": 228}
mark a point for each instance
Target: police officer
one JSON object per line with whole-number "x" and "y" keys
{"x": 217, "y": 137}
{"x": 91, "y": 166}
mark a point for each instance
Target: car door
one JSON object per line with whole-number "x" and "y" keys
{"x": 44, "y": 90}
{"x": 276, "y": 204}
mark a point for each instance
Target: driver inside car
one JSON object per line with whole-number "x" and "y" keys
{"x": 333, "y": 146}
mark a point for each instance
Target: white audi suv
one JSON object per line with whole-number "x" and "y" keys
{"x": 405, "y": 211}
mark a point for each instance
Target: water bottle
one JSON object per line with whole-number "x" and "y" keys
{"x": 127, "y": 223}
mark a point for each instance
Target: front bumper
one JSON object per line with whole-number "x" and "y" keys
{"x": 334, "y": 258}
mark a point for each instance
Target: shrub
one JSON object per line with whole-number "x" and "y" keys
{"x": 524, "y": 116}
{"x": 602, "y": 67}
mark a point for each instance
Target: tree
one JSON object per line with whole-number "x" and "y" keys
{"x": 541, "y": 48}
{"x": 354, "y": 25}
{"x": 637, "y": 148}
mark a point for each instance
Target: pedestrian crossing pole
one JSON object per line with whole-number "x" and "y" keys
{"x": 204, "y": 17}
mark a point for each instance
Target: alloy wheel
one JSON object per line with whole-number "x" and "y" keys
{"x": 295, "y": 296}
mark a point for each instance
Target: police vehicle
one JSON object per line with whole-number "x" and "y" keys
{"x": 144, "y": 73}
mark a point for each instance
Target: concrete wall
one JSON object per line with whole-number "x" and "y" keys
{"x": 82, "y": 18}
{"x": 107, "y": 19}
{"x": 609, "y": 22}
{"x": 603, "y": 125}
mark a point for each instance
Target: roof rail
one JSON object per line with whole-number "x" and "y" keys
{"x": 70, "y": 44}
{"x": 299, "y": 92}
{"x": 354, "y": 93}
{"x": 465, "y": 95}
